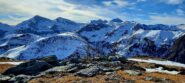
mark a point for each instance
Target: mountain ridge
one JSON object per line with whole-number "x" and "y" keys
{"x": 126, "y": 38}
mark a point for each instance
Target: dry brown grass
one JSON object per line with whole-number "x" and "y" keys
{"x": 74, "y": 79}
{"x": 4, "y": 67}
{"x": 140, "y": 79}
{"x": 102, "y": 78}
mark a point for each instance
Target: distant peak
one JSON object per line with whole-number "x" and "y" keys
{"x": 37, "y": 17}
{"x": 116, "y": 20}
{"x": 99, "y": 21}
{"x": 60, "y": 19}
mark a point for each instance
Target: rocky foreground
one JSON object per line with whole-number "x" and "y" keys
{"x": 112, "y": 69}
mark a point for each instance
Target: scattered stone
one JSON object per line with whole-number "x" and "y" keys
{"x": 109, "y": 73}
{"x": 118, "y": 68}
{"x": 133, "y": 73}
{"x": 20, "y": 79}
{"x": 149, "y": 78}
{"x": 129, "y": 81}
{"x": 106, "y": 69}
{"x": 158, "y": 80}
{"x": 113, "y": 77}
{"x": 62, "y": 68}
{"x": 89, "y": 72}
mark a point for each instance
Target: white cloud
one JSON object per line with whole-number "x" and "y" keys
{"x": 166, "y": 19}
{"x": 118, "y": 3}
{"x": 180, "y": 12}
{"x": 121, "y": 3}
{"x": 141, "y": 0}
{"x": 107, "y": 3}
{"x": 44, "y": 8}
{"x": 173, "y": 2}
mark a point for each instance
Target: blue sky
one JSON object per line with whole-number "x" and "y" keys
{"x": 144, "y": 11}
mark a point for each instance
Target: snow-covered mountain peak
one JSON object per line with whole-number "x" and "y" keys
{"x": 64, "y": 20}
{"x": 36, "y": 22}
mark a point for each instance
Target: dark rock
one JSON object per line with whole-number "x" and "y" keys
{"x": 50, "y": 59}
{"x": 177, "y": 51}
{"x": 89, "y": 72}
{"x": 182, "y": 73}
{"x": 32, "y": 67}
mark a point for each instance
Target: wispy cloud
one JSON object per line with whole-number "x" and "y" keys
{"x": 15, "y": 11}
{"x": 173, "y": 2}
{"x": 48, "y": 8}
{"x": 166, "y": 19}
{"x": 180, "y": 12}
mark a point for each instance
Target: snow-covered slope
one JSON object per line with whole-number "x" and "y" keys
{"x": 129, "y": 38}
{"x": 14, "y": 40}
{"x": 61, "y": 45}
{"x": 96, "y": 30}
{"x": 148, "y": 42}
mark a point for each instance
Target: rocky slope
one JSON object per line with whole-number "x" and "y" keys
{"x": 91, "y": 69}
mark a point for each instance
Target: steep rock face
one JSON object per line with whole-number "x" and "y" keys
{"x": 177, "y": 52}
{"x": 61, "y": 45}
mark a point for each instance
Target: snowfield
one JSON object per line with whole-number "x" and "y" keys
{"x": 169, "y": 63}
{"x": 160, "y": 70}
{"x": 13, "y": 63}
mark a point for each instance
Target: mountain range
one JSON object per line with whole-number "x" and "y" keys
{"x": 39, "y": 36}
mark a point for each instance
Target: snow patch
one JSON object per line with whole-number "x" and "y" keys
{"x": 169, "y": 63}
{"x": 13, "y": 63}
{"x": 160, "y": 70}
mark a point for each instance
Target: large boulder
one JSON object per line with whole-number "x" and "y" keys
{"x": 89, "y": 72}
{"x": 32, "y": 67}
{"x": 50, "y": 59}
